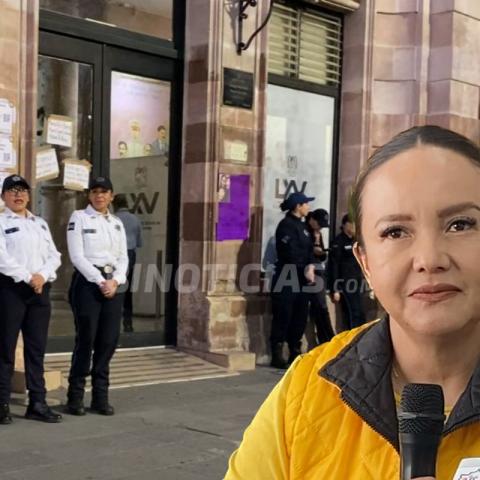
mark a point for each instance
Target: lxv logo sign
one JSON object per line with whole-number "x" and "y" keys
{"x": 284, "y": 187}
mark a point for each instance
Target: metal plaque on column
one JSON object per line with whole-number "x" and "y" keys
{"x": 237, "y": 88}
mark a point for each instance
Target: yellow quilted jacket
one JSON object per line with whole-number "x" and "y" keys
{"x": 333, "y": 416}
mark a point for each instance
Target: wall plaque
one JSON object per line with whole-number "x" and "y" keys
{"x": 237, "y": 88}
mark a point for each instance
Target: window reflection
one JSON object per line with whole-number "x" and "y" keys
{"x": 150, "y": 17}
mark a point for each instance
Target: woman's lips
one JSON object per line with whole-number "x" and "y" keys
{"x": 435, "y": 293}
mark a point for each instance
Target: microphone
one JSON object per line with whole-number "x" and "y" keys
{"x": 421, "y": 419}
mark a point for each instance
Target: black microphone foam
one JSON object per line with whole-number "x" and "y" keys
{"x": 421, "y": 419}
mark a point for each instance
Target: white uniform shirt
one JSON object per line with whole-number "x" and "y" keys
{"x": 27, "y": 247}
{"x": 95, "y": 239}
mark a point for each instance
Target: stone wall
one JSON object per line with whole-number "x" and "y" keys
{"x": 218, "y": 317}
{"x": 18, "y": 83}
{"x": 406, "y": 62}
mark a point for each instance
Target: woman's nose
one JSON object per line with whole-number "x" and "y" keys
{"x": 430, "y": 255}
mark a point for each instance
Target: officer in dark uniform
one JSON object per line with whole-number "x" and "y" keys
{"x": 345, "y": 278}
{"x": 97, "y": 246}
{"x": 294, "y": 270}
{"x": 319, "y": 313}
{"x": 28, "y": 262}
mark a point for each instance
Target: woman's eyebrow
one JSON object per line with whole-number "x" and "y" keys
{"x": 395, "y": 217}
{"x": 460, "y": 207}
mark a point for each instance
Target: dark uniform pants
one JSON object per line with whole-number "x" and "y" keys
{"x": 352, "y": 309}
{"x": 97, "y": 329}
{"x": 321, "y": 317}
{"x": 290, "y": 314}
{"x": 23, "y": 310}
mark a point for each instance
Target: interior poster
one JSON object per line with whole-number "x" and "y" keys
{"x": 140, "y": 117}
{"x": 234, "y": 214}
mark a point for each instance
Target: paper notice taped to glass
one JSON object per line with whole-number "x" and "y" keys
{"x": 46, "y": 164}
{"x": 60, "y": 130}
{"x": 76, "y": 174}
{"x": 7, "y": 116}
{"x": 8, "y": 156}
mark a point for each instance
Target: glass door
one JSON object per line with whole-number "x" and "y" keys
{"x": 119, "y": 104}
{"x": 138, "y": 131}
{"x": 69, "y": 88}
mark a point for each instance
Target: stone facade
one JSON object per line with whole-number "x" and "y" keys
{"x": 406, "y": 62}
{"x": 18, "y": 82}
{"x": 218, "y": 317}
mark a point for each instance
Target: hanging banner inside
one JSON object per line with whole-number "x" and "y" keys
{"x": 234, "y": 214}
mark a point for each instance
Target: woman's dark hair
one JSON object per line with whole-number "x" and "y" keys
{"x": 432, "y": 135}
{"x": 346, "y": 219}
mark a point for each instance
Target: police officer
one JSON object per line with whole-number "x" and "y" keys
{"x": 294, "y": 270}
{"x": 345, "y": 278}
{"x": 315, "y": 221}
{"x": 28, "y": 262}
{"x": 97, "y": 246}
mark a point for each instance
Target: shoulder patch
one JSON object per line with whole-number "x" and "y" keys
{"x": 285, "y": 239}
{"x": 71, "y": 226}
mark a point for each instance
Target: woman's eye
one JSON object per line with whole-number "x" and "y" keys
{"x": 462, "y": 225}
{"x": 393, "y": 233}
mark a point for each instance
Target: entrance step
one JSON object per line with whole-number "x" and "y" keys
{"x": 134, "y": 367}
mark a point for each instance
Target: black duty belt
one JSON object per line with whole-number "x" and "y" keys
{"x": 106, "y": 271}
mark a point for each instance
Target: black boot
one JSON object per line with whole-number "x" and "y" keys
{"x": 76, "y": 407}
{"x": 100, "y": 403}
{"x": 5, "y": 417}
{"x": 102, "y": 407}
{"x": 278, "y": 360}
{"x": 295, "y": 351}
{"x": 42, "y": 412}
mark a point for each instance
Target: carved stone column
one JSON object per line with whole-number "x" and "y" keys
{"x": 216, "y": 320}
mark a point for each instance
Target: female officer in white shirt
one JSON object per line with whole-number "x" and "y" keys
{"x": 28, "y": 262}
{"x": 97, "y": 247}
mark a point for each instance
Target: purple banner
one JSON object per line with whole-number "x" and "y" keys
{"x": 233, "y": 214}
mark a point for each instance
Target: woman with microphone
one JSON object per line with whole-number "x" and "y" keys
{"x": 416, "y": 209}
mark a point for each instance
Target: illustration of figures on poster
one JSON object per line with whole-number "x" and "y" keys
{"x": 140, "y": 113}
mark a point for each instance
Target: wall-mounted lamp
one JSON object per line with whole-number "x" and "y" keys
{"x": 242, "y": 15}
